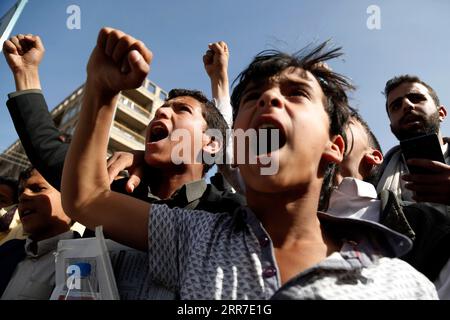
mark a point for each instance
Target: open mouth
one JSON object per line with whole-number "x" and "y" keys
{"x": 270, "y": 138}
{"x": 411, "y": 118}
{"x": 158, "y": 132}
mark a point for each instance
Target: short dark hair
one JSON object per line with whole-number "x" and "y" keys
{"x": 24, "y": 176}
{"x": 212, "y": 115}
{"x": 12, "y": 184}
{"x": 328, "y": 184}
{"x": 334, "y": 85}
{"x": 373, "y": 143}
{"x": 329, "y": 181}
{"x": 394, "y": 82}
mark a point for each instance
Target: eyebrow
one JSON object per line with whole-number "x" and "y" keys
{"x": 253, "y": 86}
{"x": 406, "y": 95}
{"x": 303, "y": 82}
{"x": 179, "y": 103}
{"x": 297, "y": 82}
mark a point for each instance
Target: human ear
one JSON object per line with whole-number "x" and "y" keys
{"x": 374, "y": 157}
{"x": 212, "y": 146}
{"x": 442, "y": 113}
{"x": 334, "y": 151}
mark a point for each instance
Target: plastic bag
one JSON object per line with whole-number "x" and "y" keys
{"x": 84, "y": 270}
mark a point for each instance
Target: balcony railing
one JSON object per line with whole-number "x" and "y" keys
{"x": 137, "y": 110}
{"x": 128, "y": 134}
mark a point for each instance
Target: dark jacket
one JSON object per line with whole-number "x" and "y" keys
{"x": 39, "y": 136}
{"x": 427, "y": 227}
{"x": 11, "y": 253}
{"x": 389, "y": 155}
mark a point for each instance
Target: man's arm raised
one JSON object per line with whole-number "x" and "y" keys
{"x": 118, "y": 62}
{"x": 29, "y": 112}
{"x": 23, "y": 54}
{"x": 215, "y": 62}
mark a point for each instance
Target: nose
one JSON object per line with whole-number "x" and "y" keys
{"x": 407, "y": 104}
{"x": 270, "y": 98}
{"x": 24, "y": 196}
{"x": 163, "y": 113}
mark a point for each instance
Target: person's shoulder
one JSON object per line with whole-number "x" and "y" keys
{"x": 388, "y": 155}
{"x": 422, "y": 213}
{"x": 396, "y": 268}
{"x": 403, "y": 280}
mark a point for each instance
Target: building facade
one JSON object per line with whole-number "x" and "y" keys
{"x": 134, "y": 110}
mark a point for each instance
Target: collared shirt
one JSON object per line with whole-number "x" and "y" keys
{"x": 358, "y": 199}
{"x": 230, "y": 173}
{"x": 444, "y": 148}
{"x": 187, "y": 196}
{"x": 193, "y": 195}
{"x": 34, "y": 277}
{"x": 223, "y": 256}
{"x": 355, "y": 198}
{"x": 197, "y": 195}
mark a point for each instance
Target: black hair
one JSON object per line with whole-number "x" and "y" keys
{"x": 12, "y": 184}
{"x": 269, "y": 63}
{"x": 373, "y": 143}
{"x": 334, "y": 85}
{"x": 26, "y": 173}
{"x": 329, "y": 181}
{"x": 24, "y": 176}
{"x": 212, "y": 115}
{"x": 328, "y": 185}
{"x": 394, "y": 82}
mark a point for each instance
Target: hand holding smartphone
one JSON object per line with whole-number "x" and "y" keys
{"x": 422, "y": 147}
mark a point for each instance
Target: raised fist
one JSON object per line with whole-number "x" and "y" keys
{"x": 23, "y": 52}
{"x": 118, "y": 62}
{"x": 215, "y": 59}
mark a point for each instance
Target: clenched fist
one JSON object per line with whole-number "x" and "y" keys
{"x": 215, "y": 60}
{"x": 23, "y": 52}
{"x": 118, "y": 62}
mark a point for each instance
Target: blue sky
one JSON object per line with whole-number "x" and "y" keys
{"x": 413, "y": 39}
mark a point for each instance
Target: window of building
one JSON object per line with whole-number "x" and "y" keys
{"x": 162, "y": 95}
{"x": 151, "y": 87}
{"x": 70, "y": 113}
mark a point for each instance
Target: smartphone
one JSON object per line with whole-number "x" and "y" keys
{"x": 422, "y": 147}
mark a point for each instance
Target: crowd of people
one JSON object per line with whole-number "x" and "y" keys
{"x": 337, "y": 220}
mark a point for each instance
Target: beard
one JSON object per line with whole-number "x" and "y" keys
{"x": 430, "y": 125}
